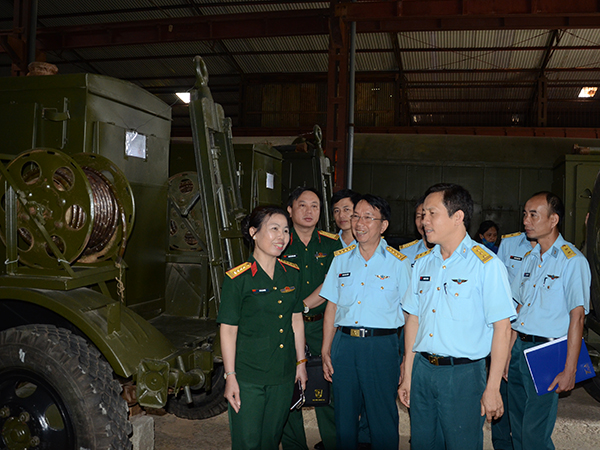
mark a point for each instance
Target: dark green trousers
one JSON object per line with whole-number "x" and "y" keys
{"x": 259, "y": 423}
{"x": 294, "y": 437}
{"x": 532, "y": 416}
{"x": 445, "y": 408}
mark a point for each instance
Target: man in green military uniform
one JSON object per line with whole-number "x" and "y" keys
{"x": 312, "y": 250}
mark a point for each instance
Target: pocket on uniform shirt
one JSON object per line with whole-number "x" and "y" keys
{"x": 461, "y": 296}
{"x": 346, "y": 295}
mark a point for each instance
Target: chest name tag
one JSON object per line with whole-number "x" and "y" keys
{"x": 527, "y": 274}
{"x": 288, "y": 256}
{"x": 424, "y": 278}
{"x": 260, "y": 291}
{"x": 516, "y": 258}
{"x": 343, "y": 275}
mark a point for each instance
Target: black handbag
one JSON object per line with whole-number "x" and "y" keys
{"x": 317, "y": 392}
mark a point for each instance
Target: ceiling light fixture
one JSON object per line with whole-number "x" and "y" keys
{"x": 588, "y": 92}
{"x": 184, "y": 96}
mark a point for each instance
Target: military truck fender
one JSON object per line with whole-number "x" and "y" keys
{"x": 123, "y": 337}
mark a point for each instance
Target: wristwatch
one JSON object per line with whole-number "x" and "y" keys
{"x": 226, "y": 374}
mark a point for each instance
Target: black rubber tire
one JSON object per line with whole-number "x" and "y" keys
{"x": 592, "y": 387}
{"x": 56, "y": 377}
{"x": 205, "y": 404}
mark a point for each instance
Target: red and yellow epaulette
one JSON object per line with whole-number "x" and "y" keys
{"x": 232, "y": 273}
{"x": 504, "y": 236}
{"x": 408, "y": 244}
{"x": 289, "y": 263}
{"x": 329, "y": 235}
{"x": 420, "y": 255}
{"x": 396, "y": 253}
{"x": 569, "y": 253}
{"x": 341, "y": 251}
{"x": 481, "y": 254}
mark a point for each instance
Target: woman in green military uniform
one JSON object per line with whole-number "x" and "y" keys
{"x": 262, "y": 333}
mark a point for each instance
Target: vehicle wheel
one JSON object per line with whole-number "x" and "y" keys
{"x": 206, "y": 403}
{"x": 57, "y": 392}
{"x": 592, "y": 387}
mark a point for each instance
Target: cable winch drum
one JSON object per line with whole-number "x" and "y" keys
{"x": 83, "y": 203}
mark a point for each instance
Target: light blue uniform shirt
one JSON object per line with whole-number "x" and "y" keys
{"x": 412, "y": 249}
{"x": 368, "y": 293}
{"x": 548, "y": 287}
{"x": 512, "y": 251}
{"x": 457, "y": 300}
{"x": 342, "y": 241}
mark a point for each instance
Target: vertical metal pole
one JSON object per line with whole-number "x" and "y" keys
{"x": 32, "y": 32}
{"x": 351, "y": 96}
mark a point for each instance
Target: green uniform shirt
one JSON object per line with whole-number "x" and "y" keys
{"x": 314, "y": 260}
{"x": 262, "y": 310}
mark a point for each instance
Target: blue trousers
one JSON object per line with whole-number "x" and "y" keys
{"x": 259, "y": 423}
{"x": 366, "y": 375}
{"x": 445, "y": 408}
{"x": 532, "y": 416}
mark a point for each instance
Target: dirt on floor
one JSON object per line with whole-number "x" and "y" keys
{"x": 577, "y": 427}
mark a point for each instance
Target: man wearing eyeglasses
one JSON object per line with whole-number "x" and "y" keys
{"x": 364, "y": 288}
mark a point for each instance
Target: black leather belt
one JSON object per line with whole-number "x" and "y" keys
{"x": 314, "y": 318}
{"x": 531, "y": 338}
{"x": 368, "y": 332}
{"x": 437, "y": 360}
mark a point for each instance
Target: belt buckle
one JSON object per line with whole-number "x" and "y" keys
{"x": 355, "y": 332}
{"x": 435, "y": 360}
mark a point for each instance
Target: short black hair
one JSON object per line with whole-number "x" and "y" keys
{"x": 345, "y": 193}
{"x": 484, "y": 226}
{"x": 379, "y": 203}
{"x": 296, "y": 193}
{"x": 420, "y": 201}
{"x": 256, "y": 219}
{"x": 455, "y": 198}
{"x": 555, "y": 204}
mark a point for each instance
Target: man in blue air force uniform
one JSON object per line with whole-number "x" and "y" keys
{"x": 459, "y": 309}
{"x": 553, "y": 292}
{"x": 364, "y": 288}
{"x": 513, "y": 248}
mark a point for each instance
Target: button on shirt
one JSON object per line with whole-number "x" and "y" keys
{"x": 511, "y": 253}
{"x": 457, "y": 301}
{"x": 262, "y": 309}
{"x": 548, "y": 287}
{"x": 367, "y": 293}
{"x": 314, "y": 260}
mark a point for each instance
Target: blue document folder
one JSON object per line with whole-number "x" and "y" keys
{"x": 547, "y": 360}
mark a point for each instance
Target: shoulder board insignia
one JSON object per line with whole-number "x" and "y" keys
{"x": 329, "y": 235}
{"x": 481, "y": 254}
{"x": 420, "y": 255}
{"x": 344, "y": 250}
{"x": 504, "y": 236}
{"x": 526, "y": 253}
{"x": 408, "y": 244}
{"x": 567, "y": 251}
{"x": 396, "y": 253}
{"x": 232, "y": 273}
{"x": 289, "y": 263}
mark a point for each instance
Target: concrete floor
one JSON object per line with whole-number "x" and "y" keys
{"x": 577, "y": 427}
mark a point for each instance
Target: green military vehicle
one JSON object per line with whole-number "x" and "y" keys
{"x": 106, "y": 288}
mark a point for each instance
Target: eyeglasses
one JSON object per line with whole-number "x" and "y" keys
{"x": 356, "y": 218}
